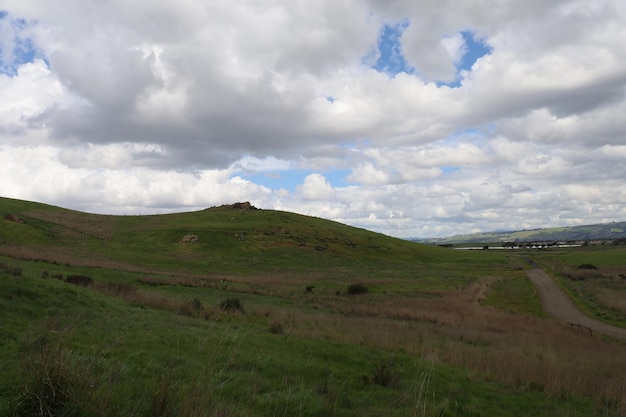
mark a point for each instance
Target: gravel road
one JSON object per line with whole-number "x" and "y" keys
{"x": 558, "y": 304}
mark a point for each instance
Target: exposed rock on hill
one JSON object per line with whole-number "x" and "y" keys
{"x": 244, "y": 206}
{"x": 190, "y": 239}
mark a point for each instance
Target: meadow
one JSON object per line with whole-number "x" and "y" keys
{"x": 274, "y": 314}
{"x": 595, "y": 277}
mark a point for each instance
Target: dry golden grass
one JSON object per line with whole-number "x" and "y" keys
{"x": 76, "y": 224}
{"x": 524, "y": 351}
{"x": 450, "y": 327}
{"x": 612, "y": 299}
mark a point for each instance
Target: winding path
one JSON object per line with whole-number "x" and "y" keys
{"x": 558, "y": 304}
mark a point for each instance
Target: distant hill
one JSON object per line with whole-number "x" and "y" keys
{"x": 604, "y": 231}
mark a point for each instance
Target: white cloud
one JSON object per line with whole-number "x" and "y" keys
{"x": 144, "y": 106}
{"x": 315, "y": 187}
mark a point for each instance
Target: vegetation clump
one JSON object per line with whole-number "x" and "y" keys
{"x": 80, "y": 280}
{"x": 232, "y": 305}
{"x": 15, "y": 271}
{"x": 587, "y": 266}
{"x": 277, "y": 328}
{"x": 356, "y": 289}
{"x": 13, "y": 218}
{"x": 383, "y": 375}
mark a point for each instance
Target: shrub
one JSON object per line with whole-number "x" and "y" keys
{"x": 13, "y": 218}
{"x": 277, "y": 328}
{"x": 81, "y": 280}
{"x": 191, "y": 308}
{"x": 196, "y": 304}
{"x": 232, "y": 304}
{"x": 356, "y": 289}
{"x": 383, "y": 374}
{"x": 587, "y": 266}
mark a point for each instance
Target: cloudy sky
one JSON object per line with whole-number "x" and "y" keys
{"x": 415, "y": 118}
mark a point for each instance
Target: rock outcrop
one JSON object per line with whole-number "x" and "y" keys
{"x": 190, "y": 239}
{"x": 244, "y": 206}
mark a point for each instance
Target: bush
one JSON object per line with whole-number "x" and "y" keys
{"x": 191, "y": 308}
{"x": 356, "y": 289}
{"x": 587, "y": 266}
{"x": 81, "y": 280}
{"x": 232, "y": 304}
{"x": 277, "y": 328}
{"x": 383, "y": 375}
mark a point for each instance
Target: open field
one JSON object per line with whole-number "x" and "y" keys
{"x": 599, "y": 292}
{"x": 272, "y": 313}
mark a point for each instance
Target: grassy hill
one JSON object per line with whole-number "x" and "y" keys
{"x": 240, "y": 312}
{"x": 219, "y": 239}
{"x": 604, "y": 231}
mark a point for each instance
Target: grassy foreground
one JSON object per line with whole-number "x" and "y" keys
{"x": 117, "y": 316}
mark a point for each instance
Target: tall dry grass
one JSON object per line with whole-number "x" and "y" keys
{"x": 451, "y": 327}
{"x": 522, "y": 351}
{"x": 76, "y": 224}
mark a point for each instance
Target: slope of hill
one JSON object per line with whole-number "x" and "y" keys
{"x": 605, "y": 231}
{"x": 234, "y": 238}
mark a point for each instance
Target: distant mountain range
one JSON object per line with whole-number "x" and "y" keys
{"x": 604, "y": 231}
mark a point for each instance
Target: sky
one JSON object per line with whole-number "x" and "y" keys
{"x": 413, "y": 118}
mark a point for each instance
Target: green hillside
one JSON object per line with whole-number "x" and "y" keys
{"x": 216, "y": 240}
{"x": 234, "y": 311}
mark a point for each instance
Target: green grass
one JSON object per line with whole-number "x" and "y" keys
{"x": 149, "y": 337}
{"x": 105, "y": 357}
{"x": 229, "y": 241}
{"x": 515, "y": 294}
{"x": 597, "y": 292}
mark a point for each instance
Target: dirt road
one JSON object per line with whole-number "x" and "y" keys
{"x": 558, "y": 304}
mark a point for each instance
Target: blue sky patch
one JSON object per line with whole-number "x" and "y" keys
{"x": 24, "y": 51}
{"x": 476, "y": 48}
{"x": 291, "y": 179}
{"x": 449, "y": 169}
{"x": 391, "y": 61}
{"x": 390, "y": 58}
